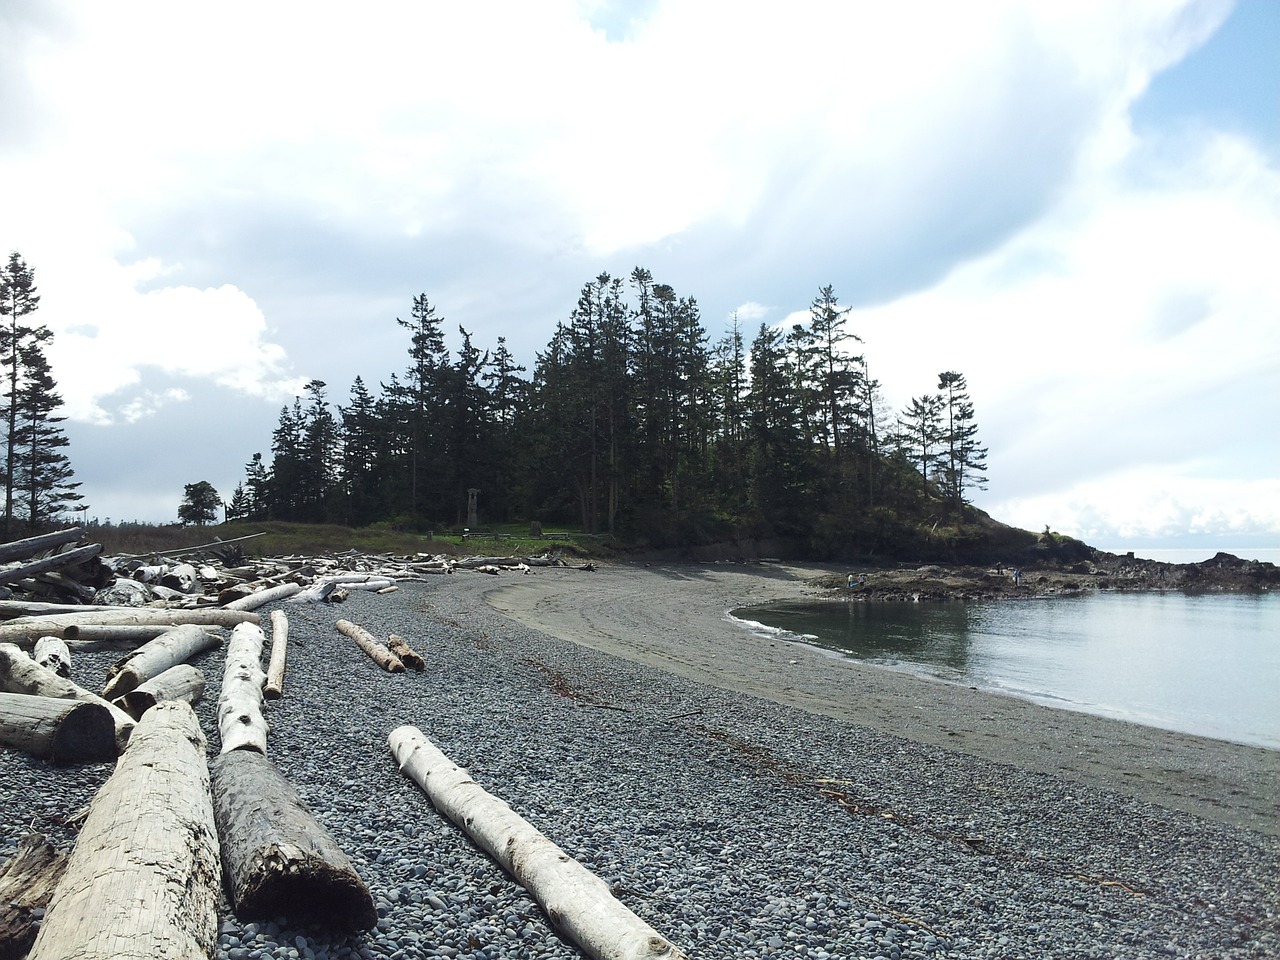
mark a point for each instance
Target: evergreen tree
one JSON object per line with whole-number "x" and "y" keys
{"x": 200, "y": 503}
{"x": 965, "y": 460}
{"x": 18, "y": 299}
{"x": 42, "y": 470}
{"x": 920, "y": 432}
{"x": 361, "y": 462}
{"x": 257, "y": 489}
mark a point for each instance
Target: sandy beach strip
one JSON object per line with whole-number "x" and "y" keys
{"x": 674, "y": 617}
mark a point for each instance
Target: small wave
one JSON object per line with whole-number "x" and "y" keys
{"x": 774, "y": 633}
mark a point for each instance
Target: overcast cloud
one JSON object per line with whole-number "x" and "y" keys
{"x": 222, "y": 202}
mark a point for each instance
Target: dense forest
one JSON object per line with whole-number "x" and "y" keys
{"x": 632, "y": 423}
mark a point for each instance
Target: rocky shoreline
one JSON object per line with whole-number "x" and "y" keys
{"x": 737, "y": 825}
{"x": 1222, "y": 573}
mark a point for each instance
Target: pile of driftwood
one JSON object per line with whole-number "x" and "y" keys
{"x": 169, "y": 828}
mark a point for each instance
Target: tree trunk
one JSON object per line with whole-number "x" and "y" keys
{"x": 21, "y": 571}
{"x": 52, "y": 654}
{"x": 24, "y": 631}
{"x": 27, "y": 882}
{"x": 240, "y": 720}
{"x": 20, "y": 549}
{"x": 577, "y": 901}
{"x": 260, "y": 599}
{"x": 276, "y": 857}
{"x": 156, "y": 656}
{"x": 61, "y": 731}
{"x": 143, "y": 879}
{"x": 399, "y": 646}
{"x": 183, "y": 682}
{"x": 93, "y": 637}
{"x": 274, "y": 688}
{"x": 370, "y": 644}
{"x": 20, "y": 674}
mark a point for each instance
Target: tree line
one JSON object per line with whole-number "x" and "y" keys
{"x": 38, "y": 486}
{"x": 632, "y": 422}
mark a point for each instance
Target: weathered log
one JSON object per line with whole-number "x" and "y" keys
{"x": 274, "y": 688}
{"x": 20, "y": 549}
{"x": 320, "y": 593}
{"x": 276, "y": 858}
{"x": 408, "y": 656}
{"x": 578, "y": 902}
{"x": 9, "y": 609}
{"x": 240, "y": 720}
{"x": 61, "y": 731}
{"x": 181, "y": 682}
{"x": 371, "y": 645}
{"x": 143, "y": 879}
{"x": 171, "y": 648}
{"x": 181, "y": 577}
{"x": 52, "y": 654}
{"x": 27, "y": 882}
{"x": 85, "y": 636}
{"x": 20, "y": 571}
{"x": 260, "y": 599}
{"x": 25, "y": 630}
{"x": 20, "y": 674}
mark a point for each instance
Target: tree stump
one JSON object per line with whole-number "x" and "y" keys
{"x": 276, "y": 858}
{"x": 142, "y": 881}
{"x": 399, "y": 646}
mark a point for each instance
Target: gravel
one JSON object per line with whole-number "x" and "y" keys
{"x": 735, "y": 826}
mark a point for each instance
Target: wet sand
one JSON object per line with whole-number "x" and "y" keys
{"x": 673, "y": 617}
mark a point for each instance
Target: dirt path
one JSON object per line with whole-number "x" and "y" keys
{"x": 673, "y": 617}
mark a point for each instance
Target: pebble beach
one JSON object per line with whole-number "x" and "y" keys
{"x": 745, "y": 797}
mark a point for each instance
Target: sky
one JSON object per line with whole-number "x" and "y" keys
{"x": 1076, "y": 204}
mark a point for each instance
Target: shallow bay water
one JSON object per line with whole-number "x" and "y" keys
{"x": 1207, "y": 665}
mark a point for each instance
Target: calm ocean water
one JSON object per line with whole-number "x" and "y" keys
{"x": 1208, "y": 665}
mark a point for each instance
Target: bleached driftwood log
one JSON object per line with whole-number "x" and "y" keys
{"x": 90, "y": 636}
{"x": 20, "y": 674}
{"x": 183, "y": 578}
{"x": 10, "y": 609}
{"x": 27, "y": 882}
{"x": 399, "y": 646}
{"x": 61, "y": 731}
{"x": 25, "y": 630}
{"x": 578, "y": 902}
{"x": 181, "y": 682}
{"x": 320, "y": 593}
{"x": 52, "y": 654}
{"x": 240, "y": 720}
{"x": 371, "y": 645}
{"x": 262, "y": 597}
{"x": 143, "y": 879}
{"x": 156, "y": 656}
{"x": 274, "y": 688}
{"x": 277, "y": 859}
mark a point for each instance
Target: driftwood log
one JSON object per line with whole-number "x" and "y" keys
{"x": 240, "y": 721}
{"x": 27, "y": 882}
{"x": 578, "y": 902}
{"x": 21, "y": 549}
{"x": 142, "y": 881}
{"x": 181, "y": 682}
{"x": 154, "y": 657}
{"x": 20, "y": 571}
{"x": 20, "y": 674}
{"x": 276, "y": 858}
{"x": 89, "y": 636}
{"x": 399, "y": 646}
{"x": 262, "y": 597}
{"x": 52, "y": 654}
{"x": 24, "y": 631}
{"x": 371, "y": 645}
{"x": 274, "y": 688}
{"x": 61, "y": 731}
